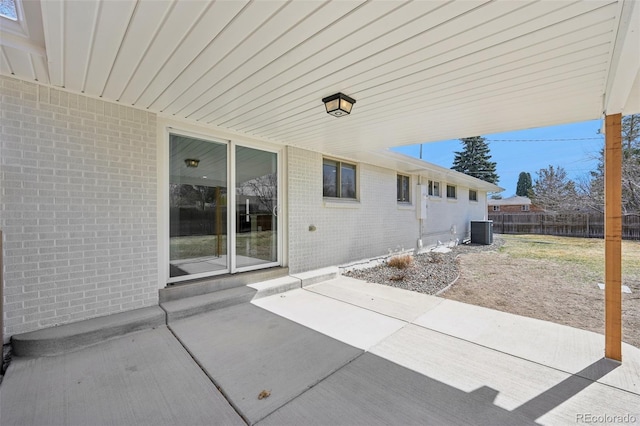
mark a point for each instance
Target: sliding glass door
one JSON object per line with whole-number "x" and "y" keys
{"x": 197, "y": 207}
{"x": 214, "y": 230}
{"x": 256, "y": 181}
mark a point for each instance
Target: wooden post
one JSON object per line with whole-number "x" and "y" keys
{"x": 613, "y": 237}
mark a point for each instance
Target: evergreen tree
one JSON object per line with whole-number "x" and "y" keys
{"x": 525, "y": 185}
{"x": 474, "y": 160}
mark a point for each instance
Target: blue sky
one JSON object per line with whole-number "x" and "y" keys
{"x": 575, "y": 147}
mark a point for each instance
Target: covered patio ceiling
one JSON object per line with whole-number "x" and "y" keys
{"x": 420, "y": 71}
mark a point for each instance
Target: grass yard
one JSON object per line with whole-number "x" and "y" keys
{"x": 550, "y": 278}
{"x": 586, "y": 253}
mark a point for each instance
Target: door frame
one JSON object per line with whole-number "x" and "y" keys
{"x": 166, "y": 127}
{"x": 232, "y": 216}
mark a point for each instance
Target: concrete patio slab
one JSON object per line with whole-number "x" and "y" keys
{"x": 353, "y": 325}
{"x": 551, "y": 395}
{"x": 73, "y": 336}
{"x": 142, "y": 378}
{"x": 394, "y": 302}
{"x": 564, "y": 348}
{"x": 375, "y": 391}
{"x": 247, "y": 350}
{"x": 453, "y": 364}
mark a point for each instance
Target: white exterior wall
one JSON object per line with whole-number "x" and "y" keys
{"x": 444, "y": 213}
{"x": 78, "y": 208}
{"x": 348, "y": 231}
{"x": 345, "y": 231}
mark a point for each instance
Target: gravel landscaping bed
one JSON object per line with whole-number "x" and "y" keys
{"x": 429, "y": 272}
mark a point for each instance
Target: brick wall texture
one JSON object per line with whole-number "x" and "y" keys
{"x": 371, "y": 227}
{"x": 78, "y": 209}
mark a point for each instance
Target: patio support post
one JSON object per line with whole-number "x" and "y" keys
{"x": 613, "y": 237}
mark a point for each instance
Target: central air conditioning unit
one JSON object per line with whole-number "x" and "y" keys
{"x": 482, "y": 232}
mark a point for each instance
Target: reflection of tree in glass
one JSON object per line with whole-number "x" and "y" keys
{"x": 348, "y": 182}
{"x": 264, "y": 189}
{"x": 329, "y": 188}
{"x": 198, "y": 196}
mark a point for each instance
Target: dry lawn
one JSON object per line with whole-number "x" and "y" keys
{"x": 550, "y": 278}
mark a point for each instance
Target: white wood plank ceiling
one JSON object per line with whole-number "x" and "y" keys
{"x": 420, "y": 71}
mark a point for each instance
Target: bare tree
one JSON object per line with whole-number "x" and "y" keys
{"x": 553, "y": 191}
{"x": 630, "y": 170}
{"x": 265, "y": 189}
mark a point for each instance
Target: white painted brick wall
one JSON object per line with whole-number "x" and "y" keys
{"x": 78, "y": 209}
{"x": 374, "y": 226}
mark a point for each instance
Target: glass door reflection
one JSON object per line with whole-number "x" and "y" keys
{"x": 256, "y": 208}
{"x": 198, "y": 207}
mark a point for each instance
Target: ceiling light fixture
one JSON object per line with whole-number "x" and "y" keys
{"x": 339, "y": 104}
{"x": 191, "y": 162}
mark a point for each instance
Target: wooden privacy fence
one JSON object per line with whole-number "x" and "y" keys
{"x": 587, "y": 225}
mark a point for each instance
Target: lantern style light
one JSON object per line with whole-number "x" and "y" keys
{"x": 339, "y": 104}
{"x": 191, "y": 162}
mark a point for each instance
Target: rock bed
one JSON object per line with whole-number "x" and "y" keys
{"x": 429, "y": 273}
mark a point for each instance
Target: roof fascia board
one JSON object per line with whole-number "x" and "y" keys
{"x": 423, "y": 168}
{"x": 625, "y": 62}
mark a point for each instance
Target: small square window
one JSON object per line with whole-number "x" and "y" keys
{"x": 403, "y": 189}
{"x": 451, "y": 191}
{"x": 338, "y": 179}
{"x": 473, "y": 195}
{"x": 8, "y": 9}
{"x": 434, "y": 188}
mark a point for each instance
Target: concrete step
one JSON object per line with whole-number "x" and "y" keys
{"x": 189, "y": 306}
{"x": 218, "y": 283}
{"x": 70, "y": 337}
{"x": 317, "y": 275}
{"x": 275, "y": 286}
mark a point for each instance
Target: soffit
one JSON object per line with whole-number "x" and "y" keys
{"x": 420, "y": 71}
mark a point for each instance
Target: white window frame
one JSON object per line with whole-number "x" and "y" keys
{"x": 496, "y": 208}
{"x": 475, "y": 193}
{"x": 524, "y": 208}
{"x": 455, "y": 192}
{"x": 433, "y": 184}
{"x": 19, "y": 25}
{"x": 339, "y": 164}
{"x": 398, "y": 196}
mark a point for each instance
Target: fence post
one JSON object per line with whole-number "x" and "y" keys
{"x": 587, "y": 217}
